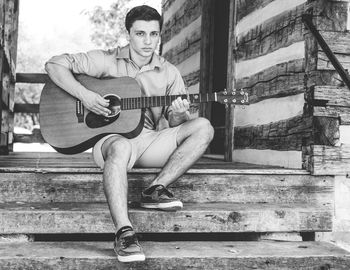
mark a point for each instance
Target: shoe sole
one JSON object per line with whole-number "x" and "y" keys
{"x": 132, "y": 258}
{"x": 170, "y": 206}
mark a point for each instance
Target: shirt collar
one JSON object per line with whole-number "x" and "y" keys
{"x": 124, "y": 53}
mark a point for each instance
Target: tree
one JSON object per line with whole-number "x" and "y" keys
{"x": 109, "y": 30}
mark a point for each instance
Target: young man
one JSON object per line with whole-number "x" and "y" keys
{"x": 174, "y": 148}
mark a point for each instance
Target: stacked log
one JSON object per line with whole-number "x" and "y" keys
{"x": 181, "y": 38}
{"x": 270, "y": 65}
{"x": 326, "y": 94}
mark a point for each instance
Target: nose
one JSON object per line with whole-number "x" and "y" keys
{"x": 147, "y": 39}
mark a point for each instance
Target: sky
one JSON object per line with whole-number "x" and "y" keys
{"x": 59, "y": 26}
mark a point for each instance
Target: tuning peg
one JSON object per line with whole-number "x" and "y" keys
{"x": 225, "y": 91}
{"x": 234, "y": 100}
{"x": 233, "y": 93}
{"x": 241, "y": 92}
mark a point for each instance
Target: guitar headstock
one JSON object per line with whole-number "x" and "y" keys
{"x": 234, "y": 97}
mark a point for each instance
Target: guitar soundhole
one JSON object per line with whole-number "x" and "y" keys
{"x": 96, "y": 121}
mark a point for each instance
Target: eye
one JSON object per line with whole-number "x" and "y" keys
{"x": 140, "y": 34}
{"x": 154, "y": 34}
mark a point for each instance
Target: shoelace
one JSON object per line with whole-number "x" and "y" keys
{"x": 129, "y": 240}
{"x": 165, "y": 192}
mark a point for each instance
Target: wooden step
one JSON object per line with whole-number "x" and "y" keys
{"x": 176, "y": 256}
{"x": 206, "y": 217}
{"x": 195, "y": 186}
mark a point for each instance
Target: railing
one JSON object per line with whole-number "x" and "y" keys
{"x": 34, "y": 78}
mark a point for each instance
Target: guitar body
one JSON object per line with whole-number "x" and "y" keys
{"x": 69, "y": 133}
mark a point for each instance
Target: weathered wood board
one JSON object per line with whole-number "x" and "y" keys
{"x": 31, "y": 218}
{"x": 176, "y": 255}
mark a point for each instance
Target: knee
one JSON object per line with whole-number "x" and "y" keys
{"x": 117, "y": 148}
{"x": 204, "y": 129}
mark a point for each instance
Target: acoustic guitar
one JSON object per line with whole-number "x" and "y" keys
{"x": 70, "y": 128}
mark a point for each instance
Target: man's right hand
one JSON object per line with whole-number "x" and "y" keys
{"x": 95, "y": 103}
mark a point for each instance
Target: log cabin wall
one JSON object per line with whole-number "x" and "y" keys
{"x": 181, "y": 38}
{"x": 270, "y": 65}
{"x": 328, "y": 99}
{"x": 8, "y": 52}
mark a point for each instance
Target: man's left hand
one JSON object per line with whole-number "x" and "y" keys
{"x": 180, "y": 106}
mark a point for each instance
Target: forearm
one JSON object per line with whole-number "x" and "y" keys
{"x": 64, "y": 78}
{"x": 178, "y": 119}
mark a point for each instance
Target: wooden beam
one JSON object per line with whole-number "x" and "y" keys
{"x": 329, "y": 15}
{"x": 188, "y": 13}
{"x": 35, "y": 137}
{"x": 188, "y": 47}
{"x": 284, "y": 135}
{"x": 278, "y": 32}
{"x": 26, "y": 108}
{"x": 330, "y": 160}
{"x": 32, "y": 78}
{"x": 245, "y": 7}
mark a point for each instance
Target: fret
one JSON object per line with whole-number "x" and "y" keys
{"x": 158, "y": 101}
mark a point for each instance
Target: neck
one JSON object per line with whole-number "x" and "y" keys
{"x": 140, "y": 60}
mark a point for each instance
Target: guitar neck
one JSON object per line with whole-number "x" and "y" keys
{"x": 159, "y": 101}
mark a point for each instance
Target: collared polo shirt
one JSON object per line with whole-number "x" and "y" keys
{"x": 158, "y": 78}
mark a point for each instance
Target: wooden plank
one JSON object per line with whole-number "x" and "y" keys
{"x": 35, "y": 137}
{"x": 278, "y": 32}
{"x": 283, "y": 135}
{"x": 325, "y": 131}
{"x": 338, "y": 112}
{"x": 210, "y": 217}
{"x": 188, "y": 13}
{"x": 188, "y": 47}
{"x": 32, "y": 78}
{"x": 280, "y": 70}
{"x": 192, "y": 78}
{"x": 26, "y": 108}
{"x": 198, "y": 187}
{"x": 331, "y": 95}
{"x": 276, "y": 81}
{"x": 330, "y": 160}
{"x": 245, "y": 7}
{"x": 329, "y": 15}
{"x": 212, "y": 255}
{"x": 45, "y": 162}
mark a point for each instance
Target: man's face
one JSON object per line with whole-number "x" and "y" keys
{"x": 144, "y": 37}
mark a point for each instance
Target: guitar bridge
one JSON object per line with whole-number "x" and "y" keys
{"x": 79, "y": 110}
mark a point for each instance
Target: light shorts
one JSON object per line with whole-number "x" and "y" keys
{"x": 150, "y": 149}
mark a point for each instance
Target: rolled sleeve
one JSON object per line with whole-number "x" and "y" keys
{"x": 176, "y": 86}
{"x": 91, "y": 63}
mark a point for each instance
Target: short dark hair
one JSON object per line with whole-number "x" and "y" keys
{"x": 144, "y": 13}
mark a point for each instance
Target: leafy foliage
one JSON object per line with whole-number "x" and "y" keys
{"x": 109, "y": 30}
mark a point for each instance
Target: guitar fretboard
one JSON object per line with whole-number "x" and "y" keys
{"x": 158, "y": 101}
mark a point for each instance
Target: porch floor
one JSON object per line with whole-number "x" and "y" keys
{"x": 80, "y": 163}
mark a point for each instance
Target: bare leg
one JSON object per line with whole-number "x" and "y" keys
{"x": 117, "y": 152}
{"x": 193, "y": 138}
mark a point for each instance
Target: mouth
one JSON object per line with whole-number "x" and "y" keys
{"x": 147, "y": 49}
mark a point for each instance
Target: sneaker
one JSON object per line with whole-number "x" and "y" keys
{"x": 128, "y": 248}
{"x": 158, "y": 197}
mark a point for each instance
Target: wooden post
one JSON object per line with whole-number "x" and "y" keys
{"x": 206, "y": 54}
{"x": 9, "y": 10}
{"x": 229, "y": 123}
